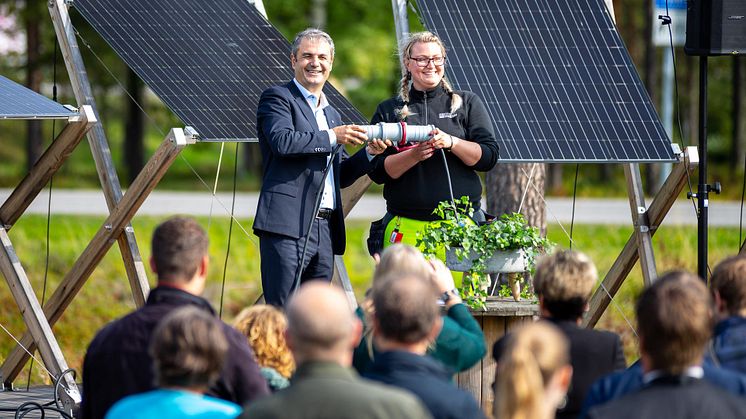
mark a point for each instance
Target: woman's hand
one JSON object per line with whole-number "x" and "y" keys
{"x": 442, "y": 140}
{"x": 377, "y": 146}
{"x": 422, "y": 151}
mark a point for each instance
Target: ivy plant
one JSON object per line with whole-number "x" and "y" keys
{"x": 458, "y": 231}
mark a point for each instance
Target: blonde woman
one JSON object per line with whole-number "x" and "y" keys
{"x": 460, "y": 343}
{"x": 533, "y": 373}
{"x": 264, "y": 326}
{"x": 416, "y": 178}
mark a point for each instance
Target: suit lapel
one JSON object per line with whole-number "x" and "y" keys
{"x": 302, "y": 104}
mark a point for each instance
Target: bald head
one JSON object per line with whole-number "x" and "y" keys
{"x": 321, "y": 325}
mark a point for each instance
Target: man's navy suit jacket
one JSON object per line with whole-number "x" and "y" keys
{"x": 294, "y": 155}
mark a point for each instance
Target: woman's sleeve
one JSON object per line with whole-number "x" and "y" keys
{"x": 460, "y": 344}
{"x": 479, "y": 129}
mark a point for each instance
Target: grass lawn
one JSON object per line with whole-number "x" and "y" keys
{"x": 106, "y": 295}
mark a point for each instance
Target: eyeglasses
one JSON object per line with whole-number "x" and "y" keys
{"x": 425, "y": 61}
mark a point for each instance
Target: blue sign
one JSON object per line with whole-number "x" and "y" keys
{"x": 672, "y": 4}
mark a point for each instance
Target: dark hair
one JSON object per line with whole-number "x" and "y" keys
{"x": 405, "y": 307}
{"x": 188, "y": 348}
{"x": 729, "y": 280}
{"x": 311, "y": 33}
{"x": 674, "y": 321}
{"x": 178, "y": 246}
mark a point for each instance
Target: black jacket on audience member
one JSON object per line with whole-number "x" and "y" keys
{"x": 674, "y": 397}
{"x": 593, "y": 354}
{"x": 117, "y": 363}
{"x": 429, "y": 380}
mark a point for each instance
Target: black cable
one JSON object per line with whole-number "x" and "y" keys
{"x": 49, "y": 205}
{"x": 230, "y": 232}
{"x": 316, "y": 206}
{"x": 574, "y": 195}
{"x": 29, "y": 407}
{"x": 58, "y": 383}
{"x": 450, "y": 185}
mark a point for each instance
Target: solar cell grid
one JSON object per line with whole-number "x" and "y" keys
{"x": 208, "y": 61}
{"x": 555, "y": 76}
{"x": 19, "y": 102}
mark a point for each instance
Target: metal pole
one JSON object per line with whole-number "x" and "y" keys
{"x": 667, "y": 109}
{"x": 702, "y": 187}
{"x": 401, "y": 21}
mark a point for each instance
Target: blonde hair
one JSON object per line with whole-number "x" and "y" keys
{"x": 404, "y": 55}
{"x": 264, "y": 326}
{"x": 565, "y": 277}
{"x": 402, "y": 259}
{"x": 533, "y": 355}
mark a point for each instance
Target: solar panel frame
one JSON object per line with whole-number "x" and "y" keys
{"x": 555, "y": 76}
{"x": 207, "y": 61}
{"x": 19, "y": 102}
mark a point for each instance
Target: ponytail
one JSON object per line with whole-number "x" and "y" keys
{"x": 456, "y": 100}
{"x": 404, "y": 112}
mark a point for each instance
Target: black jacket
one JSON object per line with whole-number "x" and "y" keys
{"x": 674, "y": 398}
{"x": 117, "y": 363}
{"x": 417, "y": 192}
{"x": 429, "y": 380}
{"x": 593, "y": 354}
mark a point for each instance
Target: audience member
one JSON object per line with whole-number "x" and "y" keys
{"x": 264, "y": 326}
{"x": 728, "y": 285}
{"x": 534, "y": 373}
{"x": 460, "y": 343}
{"x": 321, "y": 334}
{"x": 563, "y": 283}
{"x": 674, "y": 323}
{"x": 406, "y": 319}
{"x": 188, "y": 350}
{"x": 117, "y": 363}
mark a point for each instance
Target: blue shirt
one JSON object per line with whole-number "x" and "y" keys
{"x": 172, "y": 404}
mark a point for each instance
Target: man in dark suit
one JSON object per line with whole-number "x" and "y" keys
{"x": 298, "y": 133}
{"x": 674, "y": 323}
{"x": 564, "y": 282}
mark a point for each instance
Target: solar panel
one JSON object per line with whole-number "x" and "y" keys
{"x": 555, "y": 76}
{"x": 208, "y": 61}
{"x": 19, "y": 102}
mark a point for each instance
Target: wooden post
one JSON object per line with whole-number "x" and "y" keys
{"x": 46, "y": 166}
{"x": 112, "y": 228}
{"x": 640, "y": 222}
{"x": 33, "y": 316}
{"x": 658, "y": 209}
{"x": 133, "y": 264}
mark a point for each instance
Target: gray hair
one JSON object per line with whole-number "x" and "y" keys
{"x": 311, "y": 33}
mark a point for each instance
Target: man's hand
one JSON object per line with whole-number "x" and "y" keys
{"x": 350, "y": 134}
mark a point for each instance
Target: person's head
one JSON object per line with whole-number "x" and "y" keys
{"x": 311, "y": 58}
{"x": 563, "y": 282}
{"x": 179, "y": 253}
{"x": 401, "y": 259}
{"x": 188, "y": 349}
{"x": 533, "y": 373}
{"x": 321, "y": 326}
{"x": 728, "y": 285}
{"x": 674, "y": 322}
{"x": 406, "y": 311}
{"x": 264, "y": 326}
{"x": 423, "y": 55}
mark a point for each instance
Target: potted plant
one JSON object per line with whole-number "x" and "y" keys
{"x": 504, "y": 244}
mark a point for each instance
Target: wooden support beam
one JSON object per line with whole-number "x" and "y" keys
{"x": 642, "y": 235}
{"x": 52, "y": 159}
{"x": 36, "y": 323}
{"x": 107, "y": 173}
{"x": 112, "y": 228}
{"x": 657, "y": 211}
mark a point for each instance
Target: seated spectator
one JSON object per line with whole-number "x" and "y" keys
{"x": 460, "y": 343}
{"x": 321, "y": 334}
{"x": 264, "y": 326}
{"x": 728, "y": 285}
{"x": 188, "y": 350}
{"x": 406, "y": 320}
{"x": 563, "y": 283}
{"x": 534, "y": 373}
{"x": 117, "y": 363}
{"x": 674, "y": 323}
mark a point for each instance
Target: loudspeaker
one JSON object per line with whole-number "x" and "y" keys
{"x": 715, "y": 27}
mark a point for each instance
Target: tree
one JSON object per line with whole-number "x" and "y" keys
{"x": 518, "y": 187}
{"x": 134, "y": 153}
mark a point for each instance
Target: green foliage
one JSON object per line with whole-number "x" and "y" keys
{"x": 458, "y": 231}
